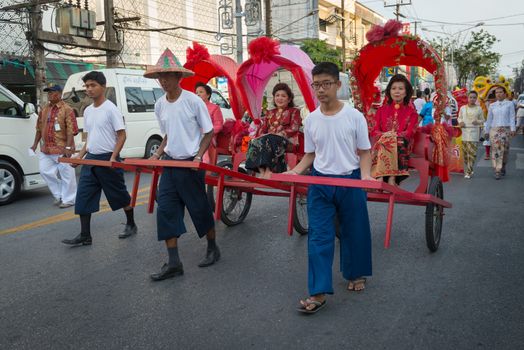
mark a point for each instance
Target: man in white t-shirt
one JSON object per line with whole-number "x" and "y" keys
{"x": 186, "y": 124}
{"x": 106, "y": 134}
{"x": 337, "y": 145}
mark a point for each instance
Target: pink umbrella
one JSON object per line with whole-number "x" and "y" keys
{"x": 266, "y": 56}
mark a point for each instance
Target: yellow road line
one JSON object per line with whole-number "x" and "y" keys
{"x": 70, "y": 215}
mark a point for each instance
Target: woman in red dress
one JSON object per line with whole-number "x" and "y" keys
{"x": 279, "y": 132}
{"x": 204, "y": 91}
{"x": 396, "y": 122}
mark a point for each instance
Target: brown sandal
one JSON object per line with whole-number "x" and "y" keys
{"x": 358, "y": 282}
{"x": 317, "y": 305}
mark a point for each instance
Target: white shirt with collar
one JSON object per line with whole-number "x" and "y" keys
{"x": 501, "y": 113}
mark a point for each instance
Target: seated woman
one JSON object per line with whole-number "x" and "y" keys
{"x": 396, "y": 122}
{"x": 204, "y": 92}
{"x": 277, "y": 133}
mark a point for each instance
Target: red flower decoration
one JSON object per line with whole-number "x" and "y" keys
{"x": 196, "y": 54}
{"x": 262, "y": 49}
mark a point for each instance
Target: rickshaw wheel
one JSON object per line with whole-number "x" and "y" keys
{"x": 300, "y": 220}
{"x": 235, "y": 203}
{"x": 434, "y": 215}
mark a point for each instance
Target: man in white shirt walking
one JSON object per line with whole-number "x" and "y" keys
{"x": 106, "y": 134}
{"x": 186, "y": 124}
{"x": 500, "y": 127}
{"x": 336, "y": 145}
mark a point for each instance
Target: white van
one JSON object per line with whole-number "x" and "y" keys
{"x": 135, "y": 97}
{"x": 18, "y": 170}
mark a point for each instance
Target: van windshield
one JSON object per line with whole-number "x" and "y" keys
{"x": 79, "y": 100}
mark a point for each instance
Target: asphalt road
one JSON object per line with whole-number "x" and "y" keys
{"x": 466, "y": 295}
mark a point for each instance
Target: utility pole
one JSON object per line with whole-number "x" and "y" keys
{"x": 111, "y": 57}
{"x": 38, "y": 54}
{"x": 397, "y": 5}
{"x": 238, "y": 18}
{"x": 343, "y": 36}
{"x": 267, "y": 8}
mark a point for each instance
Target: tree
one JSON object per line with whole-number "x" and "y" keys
{"x": 472, "y": 59}
{"x": 319, "y": 51}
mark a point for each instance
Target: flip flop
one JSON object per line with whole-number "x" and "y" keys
{"x": 361, "y": 281}
{"x": 318, "y": 305}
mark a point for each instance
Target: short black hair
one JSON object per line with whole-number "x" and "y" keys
{"x": 402, "y": 79}
{"x": 326, "y": 68}
{"x": 419, "y": 94}
{"x": 206, "y": 87}
{"x": 99, "y": 77}
{"x": 473, "y": 92}
{"x": 427, "y": 91}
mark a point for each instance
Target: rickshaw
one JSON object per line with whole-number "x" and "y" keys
{"x": 234, "y": 187}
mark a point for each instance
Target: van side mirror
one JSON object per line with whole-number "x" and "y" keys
{"x": 29, "y": 109}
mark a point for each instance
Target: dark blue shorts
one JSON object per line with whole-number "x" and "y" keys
{"x": 94, "y": 179}
{"x": 181, "y": 188}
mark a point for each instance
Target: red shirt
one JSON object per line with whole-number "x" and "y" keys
{"x": 403, "y": 120}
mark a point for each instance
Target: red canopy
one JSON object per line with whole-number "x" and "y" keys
{"x": 266, "y": 56}
{"x": 393, "y": 51}
{"x": 387, "y": 48}
{"x": 208, "y": 66}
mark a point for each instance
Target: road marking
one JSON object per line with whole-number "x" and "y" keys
{"x": 69, "y": 215}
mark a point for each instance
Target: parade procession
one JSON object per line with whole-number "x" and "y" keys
{"x": 381, "y": 139}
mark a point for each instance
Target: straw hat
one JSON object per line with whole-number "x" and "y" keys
{"x": 167, "y": 63}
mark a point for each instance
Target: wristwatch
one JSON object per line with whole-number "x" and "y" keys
{"x": 199, "y": 158}
{"x": 69, "y": 147}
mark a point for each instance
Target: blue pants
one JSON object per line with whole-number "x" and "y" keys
{"x": 94, "y": 179}
{"x": 349, "y": 205}
{"x": 180, "y": 188}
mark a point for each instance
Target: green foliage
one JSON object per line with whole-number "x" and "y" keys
{"x": 474, "y": 58}
{"x": 319, "y": 51}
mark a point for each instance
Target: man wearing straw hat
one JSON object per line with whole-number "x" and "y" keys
{"x": 188, "y": 130}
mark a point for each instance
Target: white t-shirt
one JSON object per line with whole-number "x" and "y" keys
{"x": 184, "y": 122}
{"x": 335, "y": 140}
{"x": 101, "y": 124}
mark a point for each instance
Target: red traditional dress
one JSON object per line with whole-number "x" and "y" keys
{"x": 394, "y": 130}
{"x": 280, "y": 129}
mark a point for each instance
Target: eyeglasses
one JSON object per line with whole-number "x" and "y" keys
{"x": 324, "y": 85}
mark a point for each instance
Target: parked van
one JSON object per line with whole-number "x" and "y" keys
{"x": 18, "y": 170}
{"x": 135, "y": 97}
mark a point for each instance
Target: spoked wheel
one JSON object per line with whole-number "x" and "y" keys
{"x": 300, "y": 220}
{"x": 235, "y": 203}
{"x": 434, "y": 215}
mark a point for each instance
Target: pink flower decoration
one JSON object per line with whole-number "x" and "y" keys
{"x": 376, "y": 33}
{"x": 392, "y": 27}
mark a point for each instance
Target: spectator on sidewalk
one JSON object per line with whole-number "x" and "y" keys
{"x": 55, "y": 131}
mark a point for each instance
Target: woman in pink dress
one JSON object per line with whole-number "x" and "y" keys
{"x": 204, "y": 91}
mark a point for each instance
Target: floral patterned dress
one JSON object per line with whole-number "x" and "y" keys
{"x": 279, "y": 130}
{"x": 395, "y": 127}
